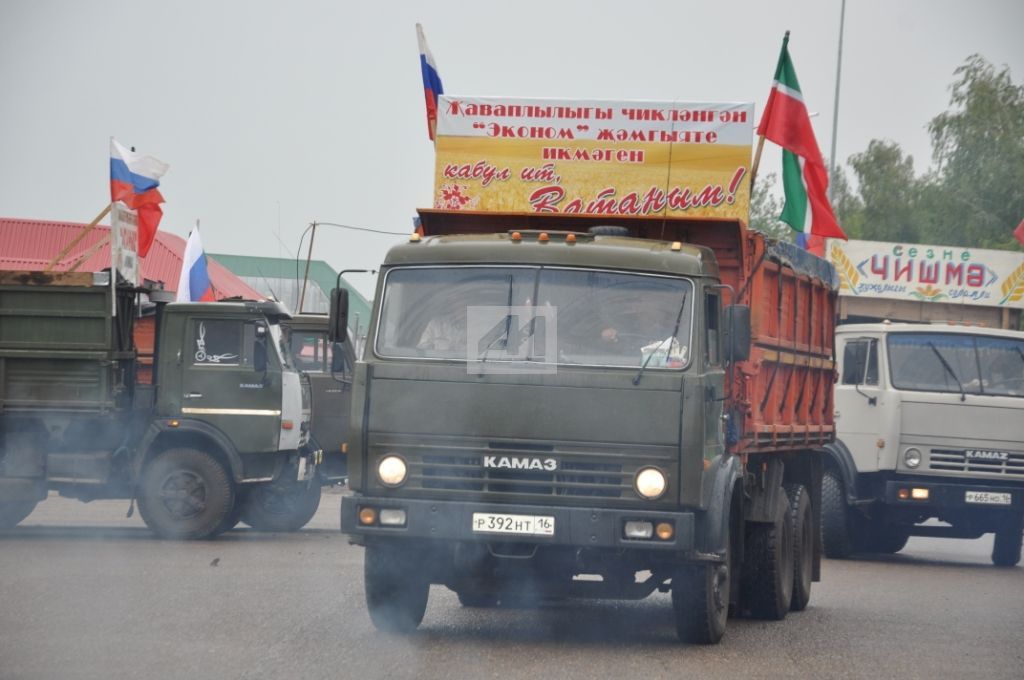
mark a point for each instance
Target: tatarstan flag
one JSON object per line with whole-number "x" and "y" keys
{"x": 804, "y": 178}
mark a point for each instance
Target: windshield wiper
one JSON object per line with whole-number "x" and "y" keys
{"x": 668, "y": 352}
{"x": 949, "y": 369}
{"x": 501, "y": 336}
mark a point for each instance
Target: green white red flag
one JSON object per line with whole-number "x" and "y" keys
{"x": 804, "y": 177}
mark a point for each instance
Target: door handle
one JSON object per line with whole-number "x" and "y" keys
{"x": 193, "y": 395}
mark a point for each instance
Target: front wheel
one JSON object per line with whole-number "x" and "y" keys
{"x": 700, "y": 601}
{"x": 396, "y": 590}
{"x": 185, "y": 494}
{"x": 12, "y": 512}
{"x": 884, "y": 538}
{"x": 274, "y": 508}
{"x": 836, "y": 536}
{"x": 1007, "y": 546}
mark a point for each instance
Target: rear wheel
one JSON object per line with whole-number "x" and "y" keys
{"x": 836, "y": 536}
{"x": 185, "y": 494}
{"x": 1007, "y": 546}
{"x": 803, "y": 545}
{"x": 700, "y": 601}
{"x": 12, "y": 512}
{"x": 396, "y": 590}
{"x": 768, "y": 568}
{"x": 272, "y": 508}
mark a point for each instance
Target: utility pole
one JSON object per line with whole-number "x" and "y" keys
{"x": 835, "y": 107}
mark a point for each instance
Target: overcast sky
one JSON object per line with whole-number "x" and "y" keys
{"x": 272, "y": 114}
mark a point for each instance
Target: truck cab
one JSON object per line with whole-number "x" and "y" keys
{"x": 930, "y": 426}
{"x": 221, "y": 416}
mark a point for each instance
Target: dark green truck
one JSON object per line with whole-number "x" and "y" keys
{"x": 223, "y": 415}
{"x": 554, "y": 406}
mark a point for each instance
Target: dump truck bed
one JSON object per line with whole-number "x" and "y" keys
{"x": 60, "y": 347}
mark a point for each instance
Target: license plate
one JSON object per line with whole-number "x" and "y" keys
{"x": 989, "y": 497}
{"x": 523, "y": 525}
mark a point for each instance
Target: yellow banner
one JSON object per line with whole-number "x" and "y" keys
{"x": 593, "y": 158}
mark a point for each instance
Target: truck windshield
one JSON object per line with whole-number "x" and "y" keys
{"x": 596, "y": 318}
{"x": 981, "y": 364}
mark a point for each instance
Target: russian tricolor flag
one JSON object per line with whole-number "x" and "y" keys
{"x": 134, "y": 179}
{"x": 432, "y": 88}
{"x": 194, "y": 282}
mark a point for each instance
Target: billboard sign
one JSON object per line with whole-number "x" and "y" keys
{"x": 924, "y": 273}
{"x": 593, "y": 157}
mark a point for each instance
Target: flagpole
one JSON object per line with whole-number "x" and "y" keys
{"x": 835, "y": 106}
{"x": 75, "y": 241}
{"x": 757, "y": 162}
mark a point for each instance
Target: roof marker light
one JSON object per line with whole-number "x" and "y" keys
{"x": 570, "y": 238}
{"x": 677, "y": 246}
{"x": 543, "y": 238}
{"x": 414, "y": 237}
{"x": 516, "y": 236}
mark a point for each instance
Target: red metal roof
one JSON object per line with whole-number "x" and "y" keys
{"x": 29, "y": 245}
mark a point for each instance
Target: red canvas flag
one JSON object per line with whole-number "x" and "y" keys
{"x": 1018, "y": 233}
{"x": 804, "y": 178}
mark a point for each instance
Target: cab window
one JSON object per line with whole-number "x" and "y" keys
{"x": 216, "y": 342}
{"x": 310, "y": 350}
{"x": 860, "y": 362}
{"x": 712, "y": 339}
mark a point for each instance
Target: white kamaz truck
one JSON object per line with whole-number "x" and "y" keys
{"x": 929, "y": 413}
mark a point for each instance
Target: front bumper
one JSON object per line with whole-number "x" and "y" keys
{"x": 574, "y": 527}
{"x": 951, "y": 495}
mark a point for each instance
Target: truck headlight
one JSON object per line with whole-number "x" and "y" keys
{"x": 391, "y": 470}
{"x": 650, "y": 483}
{"x": 912, "y": 457}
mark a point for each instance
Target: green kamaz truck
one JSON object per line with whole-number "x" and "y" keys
{"x": 221, "y": 415}
{"x": 559, "y": 406}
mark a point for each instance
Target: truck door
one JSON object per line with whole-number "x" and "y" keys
{"x": 222, "y": 386}
{"x": 331, "y": 390}
{"x": 859, "y": 398}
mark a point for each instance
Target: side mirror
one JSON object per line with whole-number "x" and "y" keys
{"x": 337, "y": 325}
{"x": 737, "y": 333}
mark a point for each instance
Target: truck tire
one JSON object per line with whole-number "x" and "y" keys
{"x": 185, "y": 494}
{"x": 803, "y": 545}
{"x": 232, "y": 519}
{"x": 767, "y": 578}
{"x": 12, "y": 512}
{"x": 884, "y": 538}
{"x": 396, "y": 590}
{"x": 271, "y": 508}
{"x": 1006, "y": 548}
{"x": 836, "y": 536}
{"x": 700, "y": 600}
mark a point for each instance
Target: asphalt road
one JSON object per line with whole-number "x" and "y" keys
{"x": 87, "y": 593}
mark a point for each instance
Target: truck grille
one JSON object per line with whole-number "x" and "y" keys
{"x": 575, "y": 478}
{"x": 955, "y": 460}
{"x": 455, "y": 469}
